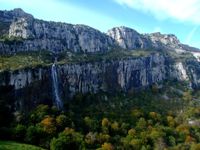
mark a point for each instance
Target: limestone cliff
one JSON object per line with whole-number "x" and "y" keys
{"x": 35, "y": 35}
{"x": 33, "y": 86}
{"x": 171, "y": 60}
{"x": 20, "y": 31}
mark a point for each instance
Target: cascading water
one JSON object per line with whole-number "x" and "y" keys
{"x": 57, "y": 99}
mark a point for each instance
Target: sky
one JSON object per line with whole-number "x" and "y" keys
{"x": 179, "y": 17}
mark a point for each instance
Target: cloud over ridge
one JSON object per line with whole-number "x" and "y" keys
{"x": 181, "y": 10}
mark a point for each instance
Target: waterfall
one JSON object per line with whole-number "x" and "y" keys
{"x": 55, "y": 84}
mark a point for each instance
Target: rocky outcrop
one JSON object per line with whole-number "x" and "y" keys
{"x": 59, "y": 36}
{"x": 128, "y": 38}
{"x": 163, "y": 41}
{"x": 7, "y": 17}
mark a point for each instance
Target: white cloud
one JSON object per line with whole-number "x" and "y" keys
{"x": 182, "y": 10}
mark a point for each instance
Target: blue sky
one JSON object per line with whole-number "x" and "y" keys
{"x": 179, "y": 17}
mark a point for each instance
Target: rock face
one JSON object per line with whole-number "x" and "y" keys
{"x": 37, "y": 34}
{"x": 29, "y": 34}
{"x": 165, "y": 41}
{"x": 108, "y": 76}
{"x": 128, "y": 38}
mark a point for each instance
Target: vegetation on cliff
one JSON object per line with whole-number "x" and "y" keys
{"x": 33, "y": 59}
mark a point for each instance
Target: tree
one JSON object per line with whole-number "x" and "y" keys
{"x": 90, "y": 124}
{"x": 105, "y": 122}
{"x": 136, "y": 143}
{"x": 170, "y": 121}
{"x": 136, "y": 113}
{"x": 34, "y": 134}
{"x": 20, "y": 132}
{"x": 141, "y": 124}
{"x": 106, "y": 146}
{"x": 187, "y": 97}
{"x": 91, "y": 138}
{"x": 68, "y": 139}
{"x": 49, "y": 125}
{"x": 63, "y": 121}
{"x": 131, "y": 132}
{"x": 172, "y": 141}
{"x": 105, "y": 125}
{"x": 115, "y": 126}
{"x": 103, "y": 137}
{"x": 39, "y": 113}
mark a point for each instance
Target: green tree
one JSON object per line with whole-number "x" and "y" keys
{"x": 39, "y": 113}
{"x": 34, "y": 134}
{"x": 68, "y": 139}
{"x": 20, "y": 132}
{"x": 63, "y": 121}
{"x": 90, "y": 124}
{"x": 141, "y": 124}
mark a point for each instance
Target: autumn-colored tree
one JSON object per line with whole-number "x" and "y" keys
{"x": 183, "y": 131}
{"x": 189, "y": 139}
{"x": 170, "y": 121}
{"x": 132, "y": 132}
{"x": 105, "y": 122}
{"x": 195, "y": 146}
{"x": 136, "y": 143}
{"x": 49, "y": 125}
{"x": 106, "y": 146}
{"x": 105, "y": 125}
{"x": 115, "y": 126}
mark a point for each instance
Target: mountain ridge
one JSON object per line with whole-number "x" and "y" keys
{"x": 36, "y": 34}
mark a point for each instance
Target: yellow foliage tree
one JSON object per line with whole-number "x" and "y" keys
{"x": 107, "y": 146}
{"x": 115, "y": 126}
{"x": 105, "y": 122}
{"x": 131, "y": 132}
{"x": 49, "y": 125}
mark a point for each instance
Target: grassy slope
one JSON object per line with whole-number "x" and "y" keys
{"x": 9, "y": 145}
